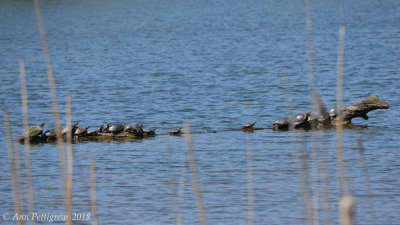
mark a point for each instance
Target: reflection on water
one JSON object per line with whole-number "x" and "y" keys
{"x": 218, "y": 65}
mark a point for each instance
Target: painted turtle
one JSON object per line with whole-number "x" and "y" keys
{"x": 249, "y": 125}
{"x": 33, "y": 133}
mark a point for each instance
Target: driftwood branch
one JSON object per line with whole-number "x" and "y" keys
{"x": 335, "y": 116}
{"x": 359, "y": 109}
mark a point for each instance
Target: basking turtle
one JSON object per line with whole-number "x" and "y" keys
{"x": 115, "y": 128}
{"x": 91, "y": 133}
{"x": 101, "y": 128}
{"x": 81, "y": 132}
{"x": 249, "y": 125}
{"x": 175, "y": 131}
{"x": 136, "y": 129}
{"x": 301, "y": 120}
{"x": 333, "y": 112}
{"x": 50, "y": 134}
{"x": 314, "y": 120}
{"x": 149, "y": 131}
{"x": 281, "y": 124}
{"x": 33, "y": 133}
{"x": 70, "y": 129}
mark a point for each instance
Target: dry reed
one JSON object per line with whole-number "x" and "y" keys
{"x": 18, "y": 205}
{"x": 93, "y": 191}
{"x": 68, "y": 188}
{"x": 346, "y": 209}
{"x": 50, "y": 76}
{"x": 27, "y": 146}
{"x": 250, "y": 195}
{"x": 363, "y": 165}
{"x": 339, "y": 96}
{"x": 195, "y": 179}
{"x": 309, "y": 46}
{"x": 180, "y": 193}
{"x": 18, "y": 175}
{"x": 301, "y": 168}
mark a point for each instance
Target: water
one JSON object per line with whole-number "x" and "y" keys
{"x": 217, "y": 64}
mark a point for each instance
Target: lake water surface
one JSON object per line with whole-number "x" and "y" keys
{"x": 219, "y": 65}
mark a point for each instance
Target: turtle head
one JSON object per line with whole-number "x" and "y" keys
{"x": 106, "y": 127}
{"x": 42, "y": 124}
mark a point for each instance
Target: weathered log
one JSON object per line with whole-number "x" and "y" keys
{"x": 359, "y": 109}
{"x": 122, "y": 134}
{"x": 337, "y": 116}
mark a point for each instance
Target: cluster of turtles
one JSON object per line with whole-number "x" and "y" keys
{"x": 35, "y": 133}
{"x": 302, "y": 120}
{"x": 307, "y": 120}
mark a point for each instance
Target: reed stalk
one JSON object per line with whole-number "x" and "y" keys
{"x": 339, "y": 96}
{"x": 68, "y": 188}
{"x": 27, "y": 146}
{"x": 181, "y": 189}
{"x": 195, "y": 180}
{"x": 309, "y": 47}
{"x": 301, "y": 169}
{"x": 250, "y": 195}
{"x": 18, "y": 205}
{"x": 363, "y": 165}
{"x": 18, "y": 176}
{"x": 93, "y": 191}
{"x": 346, "y": 204}
{"x": 346, "y": 210}
{"x": 50, "y": 76}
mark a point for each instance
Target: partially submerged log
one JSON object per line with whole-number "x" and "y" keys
{"x": 335, "y": 116}
{"x": 122, "y": 134}
{"x": 359, "y": 109}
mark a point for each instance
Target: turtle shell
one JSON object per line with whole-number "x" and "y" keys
{"x": 249, "y": 125}
{"x": 32, "y": 132}
{"x": 175, "y": 131}
{"x": 281, "y": 124}
{"x": 116, "y": 128}
{"x": 50, "y": 133}
{"x": 136, "y": 129}
{"x": 80, "y": 131}
{"x": 149, "y": 131}
{"x": 300, "y": 120}
{"x": 91, "y": 133}
{"x": 333, "y": 112}
{"x": 100, "y": 129}
{"x": 70, "y": 129}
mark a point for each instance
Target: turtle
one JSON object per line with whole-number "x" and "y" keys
{"x": 70, "y": 129}
{"x": 333, "y": 112}
{"x": 149, "y": 131}
{"x": 301, "y": 120}
{"x": 176, "y": 131}
{"x": 81, "y": 132}
{"x": 314, "y": 120}
{"x": 281, "y": 124}
{"x": 92, "y": 132}
{"x": 115, "y": 128}
{"x": 101, "y": 128}
{"x": 50, "y": 134}
{"x": 249, "y": 125}
{"x": 33, "y": 133}
{"x": 136, "y": 129}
